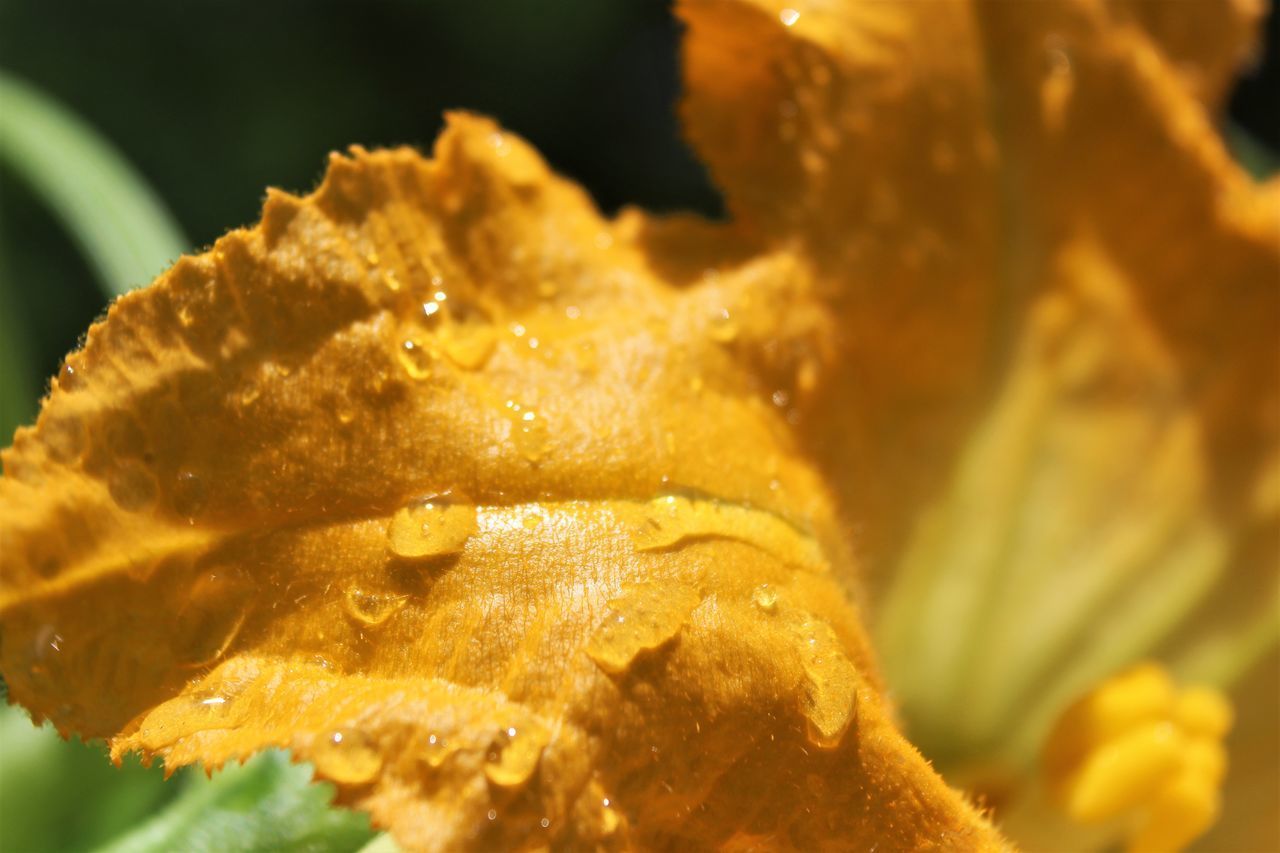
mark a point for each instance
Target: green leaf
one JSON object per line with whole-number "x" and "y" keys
{"x": 58, "y": 795}
{"x": 384, "y": 843}
{"x": 1251, "y": 153}
{"x": 124, "y": 230}
{"x": 17, "y": 375}
{"x": 268, "y": 804}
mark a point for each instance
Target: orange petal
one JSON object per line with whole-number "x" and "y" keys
{"x": 431, "y": 480}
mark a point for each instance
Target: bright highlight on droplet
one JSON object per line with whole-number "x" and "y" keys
{"x": 1137, "y": 747}
{"x": 788, "y": 17}
{"x": 347, "y": 756}
{"x": 644, "y": 616}
{"x": 430, "y": 529}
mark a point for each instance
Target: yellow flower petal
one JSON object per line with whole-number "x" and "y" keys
{"x": 573, "y": 586}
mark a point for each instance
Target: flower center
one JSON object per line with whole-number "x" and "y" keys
{"x": 1142, "y": 754}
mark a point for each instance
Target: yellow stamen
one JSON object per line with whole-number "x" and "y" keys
{"x": 1138, "y": 751}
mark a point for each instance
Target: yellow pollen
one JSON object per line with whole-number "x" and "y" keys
{"x": 1141, "y": 752}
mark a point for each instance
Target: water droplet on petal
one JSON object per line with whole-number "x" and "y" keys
{"x": 347, "y": 756}
{"x": 528, "y": 431}
{"x": 63, "y": 437}
{"x": 203, "y": 710}
{"x": 766, "y": 598}
{"x": 415, "y": 359}
{"x": 829, "y": 702}
{"x": 210, "y": 613}
{"x": 643, "y": 617}
{"x": 517, "y": 758}
{"x": 132, "y": 486}
{"x": 424, "y": 530}
{"x": 788, "y": 17}
{"x": 724, "y": 329}
{"x": 609, "y": 819}
{"x": 373, "y": 608}
{"x": 436, "y": 750}
{"x": 189, "y": 495}
{"x": 469, "y": 347}
{"x": 69, "y": 377}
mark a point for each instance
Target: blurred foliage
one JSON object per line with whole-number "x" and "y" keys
{"x": 213, "y": 100}
{"x": 120, "y": 226}
{"x": 267, "y": 804}
{"x": 66, "y": 796}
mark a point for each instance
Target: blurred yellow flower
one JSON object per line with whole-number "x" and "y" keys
{"x": 531, "y": 528}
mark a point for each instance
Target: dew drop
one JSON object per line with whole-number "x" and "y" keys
{"x": 665, "y": 523}
{"x": 517, "y": 758}
{"x": 781, "y": 398}
{"x": 373, "y": 259}
{"x": 436, "y": 750}
{"x": 644, "y": 616}
{"x": 69, "y": 377}
{"x": 63, "y": 437}
{"x": 788, "y": 17}
{"x": 415, "y": 359}
{"x": 210, "y": 618}
{"x": 766, "y": 598}
{"x": 373, "y": 608}
{"x": 48, "y": 642}
{"x": 202, "y": 710}
{"x": 430, "y": 308}
{"x": 493, "y": 814}
{"x": 392, "y": 283}
{"x": 426, "y": 530}
{"x": 190, "y": 496}
{"x": 132, "y": 486}
{"x": 609, "y": 819}
{"x": 829, "y": 701}
{"x": 531, "y": 521}
{"x": 528, "y": 431}
{"x": 469, "y": 348}
{"x": 724, "y": 329}
{"x": 545, "y": 822}
{"x": 347, "y": 756}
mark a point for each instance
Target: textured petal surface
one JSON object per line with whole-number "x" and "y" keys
{"x": 1055, "y": 424}
{"x": 431, "y": 480}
